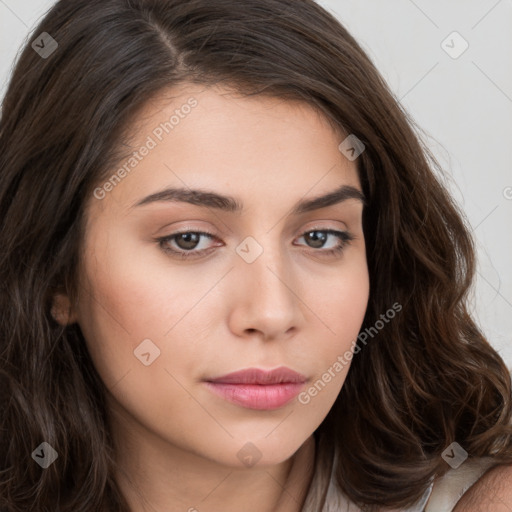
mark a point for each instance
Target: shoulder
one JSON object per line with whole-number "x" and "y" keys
{"x": 492, "y": 491}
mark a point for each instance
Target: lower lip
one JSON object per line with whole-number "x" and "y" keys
{"x": 254, "y": 396}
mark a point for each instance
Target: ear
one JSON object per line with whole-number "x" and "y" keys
{"x": 61, "y": 310}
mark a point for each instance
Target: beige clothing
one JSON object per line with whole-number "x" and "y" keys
{"x": 449, "y": 489}
{"x": 441, "y": 496}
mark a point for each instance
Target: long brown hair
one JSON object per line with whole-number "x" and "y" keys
{"x": 427, "y": 379}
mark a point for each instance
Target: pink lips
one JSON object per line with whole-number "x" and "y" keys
{"x": 259, "y": 389}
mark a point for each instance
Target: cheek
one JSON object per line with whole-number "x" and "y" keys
{"x": 340, "y": 306}
{"x": 142, "y": 308}
{"x": 130, "y": 295}
{"x": 340, "y": 298}
{"x": 138, "y": 320}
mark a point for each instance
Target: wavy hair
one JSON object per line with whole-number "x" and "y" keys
{"x": 429, "y": 378}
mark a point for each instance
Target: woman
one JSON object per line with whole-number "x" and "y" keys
{"x": 231, "y": 279}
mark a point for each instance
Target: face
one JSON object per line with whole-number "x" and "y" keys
{"x": 178, "y": 290}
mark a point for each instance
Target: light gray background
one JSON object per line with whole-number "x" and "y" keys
{"x": 464, "y": 105}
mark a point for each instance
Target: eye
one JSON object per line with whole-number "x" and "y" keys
{"x": 186, "y": 241}
{"x": 185, "y": 244}
{"x": 318, "y": 238}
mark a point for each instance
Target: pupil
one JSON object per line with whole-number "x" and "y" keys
{"x": 317, "y": 237}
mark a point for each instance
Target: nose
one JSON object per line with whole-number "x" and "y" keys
{"x": 266, "y": 300}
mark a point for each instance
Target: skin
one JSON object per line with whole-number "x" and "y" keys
{"x": 491, "y": 492}
{"x": 177, "y": 442}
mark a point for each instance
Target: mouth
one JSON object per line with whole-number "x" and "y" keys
{"x": 258, "y": 389}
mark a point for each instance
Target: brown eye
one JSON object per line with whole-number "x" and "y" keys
{"x": 185, "y": 244}
{"x": 187, "y": 241}
{"x": 316, "y": 239}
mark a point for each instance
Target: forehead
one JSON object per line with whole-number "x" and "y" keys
{"x": 215, "y": 138}
{"x": 217, "y": 110}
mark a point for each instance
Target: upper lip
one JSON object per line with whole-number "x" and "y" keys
{"x": 259, "y": 376}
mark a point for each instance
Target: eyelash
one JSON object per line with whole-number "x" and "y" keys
{"x": 345, "y": 237}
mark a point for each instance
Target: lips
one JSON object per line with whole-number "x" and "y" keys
{"x": 262, "y": 377}
{"x": 258, "y": 389}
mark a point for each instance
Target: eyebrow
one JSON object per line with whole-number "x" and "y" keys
{"x": 209, "y": 199}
